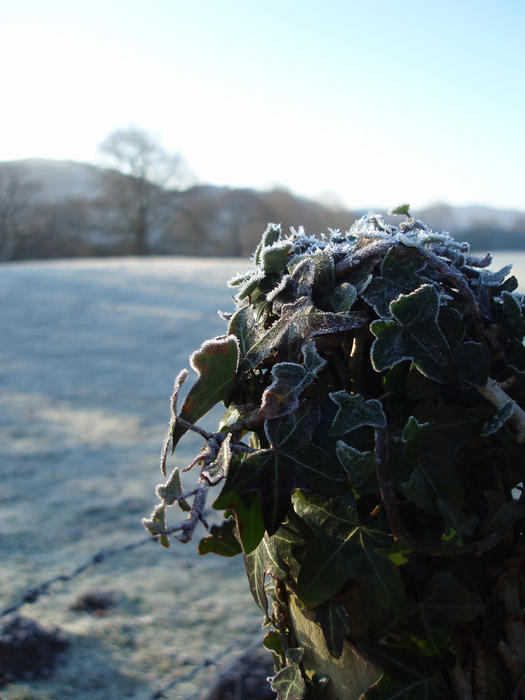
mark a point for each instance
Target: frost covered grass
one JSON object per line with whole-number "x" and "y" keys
{"x": 89, "y": 351}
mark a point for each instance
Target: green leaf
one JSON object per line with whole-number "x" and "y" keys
{"x": 414, "y": 335}
{"x": 503, "y": 514}
{"x": 354, "y": 412}
{"x": 445, "y": 605}
{"x": 269, "y": 237}
{"x": 331, "y": 563}
{"x": 333, "y": 618}
{"x": 289, "y": 381}
{"x": 402, "y": 209}
{"x": 343, "y": 549}
{"x": 216, "y": 364}
{"x": 313, "y": 362}
{"x": 288, "y": 683}
{"x": 171, "y": 491}
{"x": 399, "y": 275}
{"x": 247, "y": 510}
{"x": 360, "y": 467}
{"x": 272, "y": 642}
{"x": 291, "y": 462}
{"x": 513, "y": 318}
{"x": 221, "y": 540}
{"x": 472, "y": 362}
{"x": 262, "y": 561}
{"x": 457, "y": 522}
{"x": 433, "y": 449}
{"x": 414, "y": 434}
{"x": 275, "y": 257}
{"x": 299, "y": 322}
{"x": 344, "y": 296}
{"x": 407, "y": 674}
{"x": 314, "y": 277}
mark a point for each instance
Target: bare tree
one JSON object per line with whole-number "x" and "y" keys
{"x": 16, "y": 203}
{"x": 138, "y": 184}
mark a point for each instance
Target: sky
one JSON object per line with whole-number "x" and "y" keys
{"x": 363, "y": 102}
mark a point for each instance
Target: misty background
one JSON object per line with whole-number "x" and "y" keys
{"x": 239, "y": 114}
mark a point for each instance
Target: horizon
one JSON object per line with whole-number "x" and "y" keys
{"x": 365, "y": 106}
{"x": 381, "y": 208}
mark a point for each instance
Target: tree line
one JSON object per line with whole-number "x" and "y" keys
{"x": 144, "y": 203}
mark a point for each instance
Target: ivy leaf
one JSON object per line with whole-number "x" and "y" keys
{"x": 445, "y": 605}
{"x": 250, "y": 288}
{"x": 354, "y": 412}
{"x": 289, "y": 540}
{"x": 291, "y": 462}
{"x": 269, "y": 237}
{"x": 245, "y": 328}
{"x": 414, "y": 335}
{"x": 314, "y": 277}
{"x": 513, "y": 315}
{"x": 171, "y": 491}
{"x": 330, "y": 563}
{"x": 275, "y": 257}
{"x": 156, "y": 523}
{"x": 343, "y": 549}
{"x": 414, "y": 434}
{"x": 472, "y": 359}
{"x": 472, "y": 362}
{"x": 272, "y": 642}
{"x": 247, "y": 511}
{"x": 405, "y": 674}
{"x": 289, "y": 381}
{"x": 399, "y": 275}
{"x": 503, "y": 514}
{"x": 221, "y": 540}
{"x": 344, "y": 297}
{"x": 433, "y": 448}
{"x": 360, "y": 467}
{"x": 402, "y": 209}
{"x": 494, "y": 279}
{"x": 216, "y": 363}
{"x": 218, "y": 469}
{"x": 265, "y": 559}
{"x": 333, "y": 618}
{"x": 288, "y": 683}
{"x": 458, "y": 523}
{"x": 299, "y": 322}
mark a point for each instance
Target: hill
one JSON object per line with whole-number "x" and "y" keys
{"x": 65, "y": 208}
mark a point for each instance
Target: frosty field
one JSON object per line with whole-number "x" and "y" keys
{"x": 88, "y": 353}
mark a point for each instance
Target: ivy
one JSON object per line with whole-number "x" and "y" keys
{"x": 370, "y": 459}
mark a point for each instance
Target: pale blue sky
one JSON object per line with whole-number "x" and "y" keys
{"x": 374, "y": 101}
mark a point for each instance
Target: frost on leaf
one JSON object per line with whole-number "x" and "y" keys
{"x": 291, "y": 462}
{"x": 289, "y": 381}
{"x": 399, "y": 275}
{"x": 414, "y": 335}
{"x": 354, "y": 412}
{"x": 216, "y": 364}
